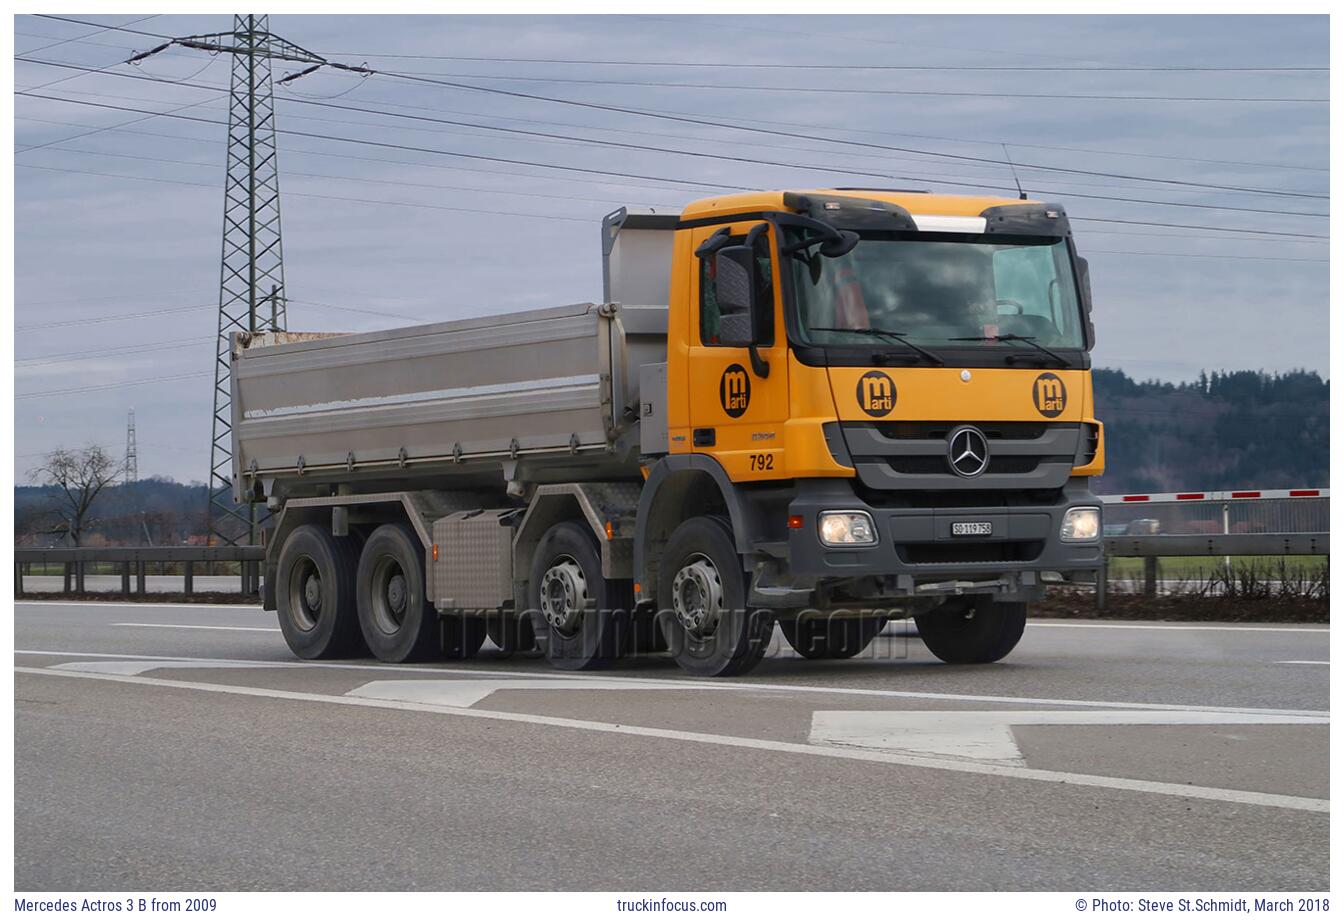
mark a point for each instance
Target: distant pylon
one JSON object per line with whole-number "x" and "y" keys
{"x": 252, "y": 293}
{"x": 131, "y": 466}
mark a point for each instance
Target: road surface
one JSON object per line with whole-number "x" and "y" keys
{"x": 179, "y": 748}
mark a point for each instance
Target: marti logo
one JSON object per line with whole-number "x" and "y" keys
{"x": 876, "y": 394}
{"x": 735, "y": 390}
{"x": 1049, "y": 395}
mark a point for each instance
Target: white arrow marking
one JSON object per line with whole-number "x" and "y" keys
{"x": 988, "y": 736}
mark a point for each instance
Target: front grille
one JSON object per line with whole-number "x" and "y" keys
{"x": 938, "y": 431}
{"x": 934, "y": 465}
{"x": 951, "y": 553}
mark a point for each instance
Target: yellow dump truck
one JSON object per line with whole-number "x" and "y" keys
{"x": 813, "y": 409}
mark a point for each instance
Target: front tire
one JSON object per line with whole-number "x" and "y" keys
{"x": 315, "y": 594}
{"x": 820, "y": 637}
{"x": 396, "y": 618}
{"x": 702, "y": 602}
{"x": 585, "y": 618}
{"x": 977, "y": 632}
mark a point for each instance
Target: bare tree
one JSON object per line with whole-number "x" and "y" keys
{"x": 81, "y": 475}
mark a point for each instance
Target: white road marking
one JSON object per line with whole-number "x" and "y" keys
{"x": 1301, "y": 662}
{"x": 988, "y": 736}
{"x": 200, "y": 626}
{"x": 140, "y": 667}
{"x": 1237, "y": 796}
{"x": 458, "y": 670}
{"x": 466, "y": 693}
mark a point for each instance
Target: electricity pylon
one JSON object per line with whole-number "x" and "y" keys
{"x": 252, "y": 294}
{"x": 131, "y": 466}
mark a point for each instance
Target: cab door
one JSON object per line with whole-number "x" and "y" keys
{"x": 735, "y": 414}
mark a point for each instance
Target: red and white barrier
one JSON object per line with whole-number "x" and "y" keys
{"x": 1237, "y": 495}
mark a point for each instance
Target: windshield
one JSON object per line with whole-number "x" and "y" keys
{"x": 964, "y": 292}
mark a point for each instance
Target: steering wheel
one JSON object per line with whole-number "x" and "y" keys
{"x": 1012, "y": 303}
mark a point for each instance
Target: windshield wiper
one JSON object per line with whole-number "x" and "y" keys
{"x": 886, "y": 334}
{"x": 1014, "y": 337}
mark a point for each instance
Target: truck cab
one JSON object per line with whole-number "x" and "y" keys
{"x": 892, "y": 390}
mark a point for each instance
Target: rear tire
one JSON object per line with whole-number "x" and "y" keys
{"x": 315, "y": 594}
{"x": 395, "y": 616}
{"x": 702, "y": 601}
{"x": 977, "y": 632}
{"x": 585, "y": 618}
{"x": 820, "y": 637}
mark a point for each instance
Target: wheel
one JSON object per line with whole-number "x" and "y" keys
{"x": 511, "y": 634}
{"x": 395, "y": 616}
{"x": 977, "y": 632}
{"x": 702, "y": 603}
{"x": 315, "y": 594}
{"x": 820, "y": 637}
{"x": 586, "y": 616}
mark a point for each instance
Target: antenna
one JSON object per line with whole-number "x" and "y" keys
{"x": 1020, "y": 194}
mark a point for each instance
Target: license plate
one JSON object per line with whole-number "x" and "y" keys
{"x": 972, "y": 529}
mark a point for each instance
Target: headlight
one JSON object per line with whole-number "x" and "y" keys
{"x": 1080, "y": 525}
{"x": 846, "y": 528}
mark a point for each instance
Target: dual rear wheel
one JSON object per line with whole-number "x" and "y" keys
{"x": 336, "y": 599}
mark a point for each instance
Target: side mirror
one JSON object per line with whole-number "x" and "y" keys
{"x": 740, "y": 316}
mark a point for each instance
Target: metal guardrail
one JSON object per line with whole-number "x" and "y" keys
{"x": 1218, "y": 544}
{"x": 134, "y": 559}
{"x": 1221, "y": 544}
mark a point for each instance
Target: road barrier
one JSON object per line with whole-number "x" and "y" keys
{"x": 1248, "y": 522}
{"x": 1235, "y": 512}
{"x": 75, "y": 563}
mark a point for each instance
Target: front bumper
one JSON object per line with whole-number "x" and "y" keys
{"x": 916, "y": 553}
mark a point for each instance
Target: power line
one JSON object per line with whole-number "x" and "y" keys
{"x": 113, "y": 386}
{"x": 935, "y": 153}
{"x": 1241, "y": 230}
{"x": 755, "y": 161}
{"x": 879, "y": 133}
{"x": 111, "y": 319}
{"x": 942, "y": 179}
{"x": 701, "y": 121}
{"x": 853, "y": 91}
{"x": 894, "y": 67}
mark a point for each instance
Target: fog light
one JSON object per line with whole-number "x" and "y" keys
{"x": 1081, "y": 525}
{"x": 846, "y": 528}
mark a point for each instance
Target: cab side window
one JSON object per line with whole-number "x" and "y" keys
{"x": 765, "y": 291}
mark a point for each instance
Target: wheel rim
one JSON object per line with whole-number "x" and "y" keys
{"x": 305, "y": 594}
{"x": 697, "y": 596}
{"x": 564, "y": 595}
{"x": 389, "y": 595}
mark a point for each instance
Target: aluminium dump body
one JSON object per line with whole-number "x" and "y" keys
{"x": 543, "y": 395}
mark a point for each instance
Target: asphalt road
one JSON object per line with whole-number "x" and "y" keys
{"x": 179, "y": 748}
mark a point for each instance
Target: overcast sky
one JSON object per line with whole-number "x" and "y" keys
{"x": 96, "y": 249}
